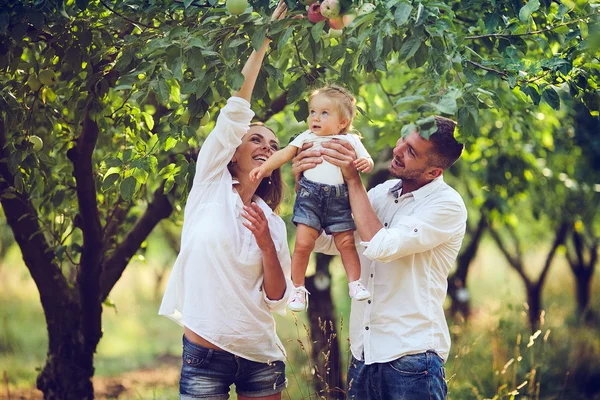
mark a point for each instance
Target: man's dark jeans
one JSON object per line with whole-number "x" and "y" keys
{"x": 412, "y": 377}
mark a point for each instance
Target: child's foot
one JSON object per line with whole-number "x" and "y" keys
{"x": 298, "y": 300}
{"x": 358, "y": 291}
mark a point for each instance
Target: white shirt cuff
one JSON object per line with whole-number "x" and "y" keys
{"x": 279, "y": 306}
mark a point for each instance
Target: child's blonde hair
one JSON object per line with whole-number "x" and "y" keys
{"x": 345, "y": 101}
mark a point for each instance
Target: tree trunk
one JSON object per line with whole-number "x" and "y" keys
{"x": 328, "y": 381}
{"x": 583, "y": 271}
{"x": 583, "y": 284}
{"x": 460, "y": 304}
{"x": 69, "y": 367}
{"x": 534, "y": 301}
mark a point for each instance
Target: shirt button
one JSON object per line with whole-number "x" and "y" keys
{"x": 416, "y": 230}
{"x": 395, "y": 201}
{"x": 371, "y": 275}
{"x": 366, "y": 328}
{"x": 385, "y": 224}
{"x": 326, "y": 188}
{"x": 369, "y": 301}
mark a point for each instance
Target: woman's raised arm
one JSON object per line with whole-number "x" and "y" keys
{"x": 254, "y": 62}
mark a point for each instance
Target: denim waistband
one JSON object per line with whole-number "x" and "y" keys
{"x": 222, "y": 354}
{"x": 318, "y": 187}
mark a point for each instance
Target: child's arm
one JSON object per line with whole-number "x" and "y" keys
{"x": 364, "y": 164}
{"x": 275, "y": 161}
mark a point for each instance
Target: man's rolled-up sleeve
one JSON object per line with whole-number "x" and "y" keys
{"x": 430, "y": 227}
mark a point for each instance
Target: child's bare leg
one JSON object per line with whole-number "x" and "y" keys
{"x": 344, "y": 241}
{"x": 305, "y": 243}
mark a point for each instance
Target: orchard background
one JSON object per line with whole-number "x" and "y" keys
{"x": 104, "y": 105}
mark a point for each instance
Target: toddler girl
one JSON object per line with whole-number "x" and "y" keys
{"x": 322, "y": 201}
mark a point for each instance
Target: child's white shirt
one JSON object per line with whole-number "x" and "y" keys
{"x": 326, "y": 172}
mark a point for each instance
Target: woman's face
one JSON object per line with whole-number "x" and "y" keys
{"x": 258, "y": 144}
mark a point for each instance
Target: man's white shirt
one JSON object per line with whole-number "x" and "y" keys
{"x": 405, "y": 266}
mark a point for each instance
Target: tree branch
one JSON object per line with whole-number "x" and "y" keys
{"x": 501, "y": 73}
{"x": 88, "y": 276}
{"x": 559, "y": 239}
{"x": 22, "y": 219}
{"x": 514, "y": 35}
{"x": 125, "y": 18}
{"x": 158, "y": 209}
{"x": 81, "y": 157}
{"x": 514, "y": 262}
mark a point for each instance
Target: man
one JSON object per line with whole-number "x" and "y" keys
{"x": 410, "y": 230}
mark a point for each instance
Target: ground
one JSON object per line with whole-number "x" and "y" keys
{"x": 125, "y": 386}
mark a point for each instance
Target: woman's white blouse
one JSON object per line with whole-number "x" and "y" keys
{"x": 216, "y": 286}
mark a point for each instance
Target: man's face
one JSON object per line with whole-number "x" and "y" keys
{"x": 411, "y": 158}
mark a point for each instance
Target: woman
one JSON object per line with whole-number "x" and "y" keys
{"x": 234, "y": 265}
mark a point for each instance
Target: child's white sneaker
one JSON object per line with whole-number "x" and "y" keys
{"x": 358, "y": 291}
{"x": 298, "y": 300}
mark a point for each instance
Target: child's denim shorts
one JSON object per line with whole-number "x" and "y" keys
{"x": 322, "y": 206}
{"x": 208, "y": 374}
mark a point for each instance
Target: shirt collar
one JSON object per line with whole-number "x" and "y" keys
{"x": 420, "y": 193}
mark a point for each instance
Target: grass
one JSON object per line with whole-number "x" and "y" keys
{"x": 493, "y": 357}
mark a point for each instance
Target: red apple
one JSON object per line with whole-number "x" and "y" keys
{"x": 330, "y": 8}
{"x": 349, "y": 17}
{"x": 336, "y": 23}
{"x": 314, "y": 13}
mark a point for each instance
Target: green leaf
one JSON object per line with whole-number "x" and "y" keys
{"x": 170, "y": 143}
{"x": 258, "y": 38}
{"x": 301, "y": 111}
{"x": 427, "y": 126}
{"x": 148, "y": 120}
{"x": 113, "y": 162}
{"x": 551, "y": 97}
{"x": 408, "y": 99}
{"x": 236, "y": 42}
{"x": 186, "y": 3}
{"x": 151, "y": 144}
{"x": 285, "y": 37}
{"x": 402, "y": 13}
{"x": 169, "y": 183}
{"x": 407, "y": 129}
{"x": 163, "y": 91}
{"x": 447, "y": 103}
{"x": 316, "y": 30}
{"x": 58, "y": 198}
{"x": 235, "y": 79}
{"x": 109, "y": 181}
{"x": 127, "y": 188}
{"x": 528, "y": 9}
{"x": 532, "y": 93}
{"x": 491, "y": 21}
{"x": 410, "y": 47}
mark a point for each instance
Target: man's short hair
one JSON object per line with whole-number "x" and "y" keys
{"x": 446, "y": 150}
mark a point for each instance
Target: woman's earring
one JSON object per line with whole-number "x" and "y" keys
{"x": 270, "y": 180}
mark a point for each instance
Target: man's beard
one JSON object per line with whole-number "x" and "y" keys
{"x": 407, "y": 175}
